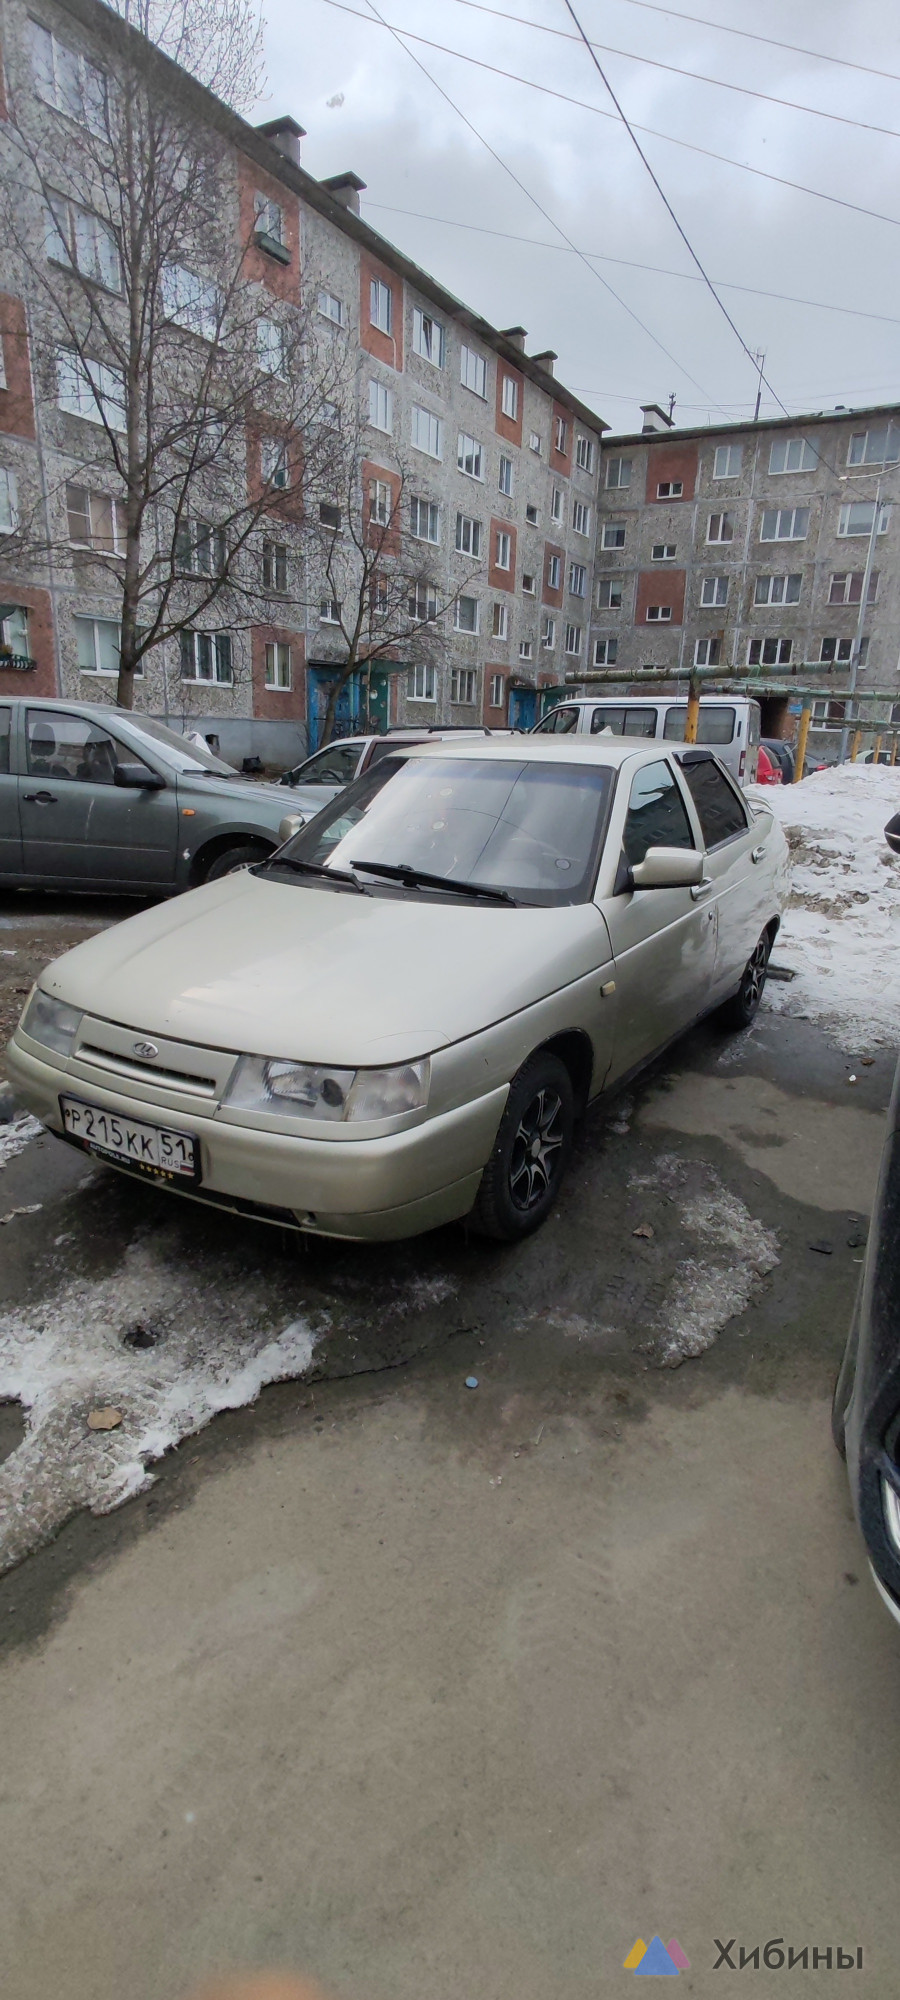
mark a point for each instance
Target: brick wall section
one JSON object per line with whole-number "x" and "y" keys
{"x": 561, "y": 461}
{"x": 16, "y": 400}
{"x": 42, "y": 679}
{"x": 548, "y": 596}
{"x": 509, "y": 427}
{"x": 672, "y": 461}
{"x": 278, "y": 704}
{"x": 502, "y": 579}
{"x": 283, "y": 280}
{"x": 387, "y": 347}
{"x": 660, "y": 586}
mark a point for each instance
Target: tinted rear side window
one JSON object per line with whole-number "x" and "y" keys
{"x": 716, "y": 725}
{"x": 719, "y": 811}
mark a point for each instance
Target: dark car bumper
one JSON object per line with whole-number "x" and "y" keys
{"x": 871, "y": 1422}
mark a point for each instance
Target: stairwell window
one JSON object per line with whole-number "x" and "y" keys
{"x": 560, "y": 435}
{"x": 381, "y": 306}
{"x": 96, "y": 521}
{"x": 720, "y": 528}
{"x": 269, "y": 231}
{"x": 554, "y": 572}
{"x": 329, "y": 611}
{"x": 509, "y": 397}
{"x": 421, "y": 684}
{"x": 663, "y": 552}
{"x": 381, "y": 407}
{"x": 274, "y": 463}
{"x": 278, "y": 667}
{"x": 497, "y": 694}
{"x": 65, "y": 79}
{"x": 534, "y": 442}
{"x": 428, "y": 338}
{"x": 505, "y": 481}
{"x": 613, "y": 536}
{"x": 206, "y": 656}
{"x": 659, "y": 614}
{"x": 380, "y": 504}
{"x": 670, "y": 489}
{"x": 500, "y": 622}
{"x": 714, "y": 590}
{"x": 787, "y": 524}
{"x": 531, "y": 515}
{"x": 502, "y": 550}
{"x": 557, "y": 504}
{"x": 548, "y": 635}
{"x": 529, "y": 583}
{"x": 473, "y": 371}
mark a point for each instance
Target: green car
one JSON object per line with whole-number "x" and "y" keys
{"x": 100, "y": 799}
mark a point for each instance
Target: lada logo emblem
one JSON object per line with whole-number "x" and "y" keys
{"x": 146, "y": 1049}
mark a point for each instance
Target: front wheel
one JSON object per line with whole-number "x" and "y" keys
{"x": 531, "y": 1153}
{"x": 742, "y": 1008}
{"x": 234, "y": 858}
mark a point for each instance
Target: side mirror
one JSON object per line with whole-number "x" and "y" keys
{"x": 137, "y": 778}
{"x": 290, "y": 825}
{"x": 668, "y": 868}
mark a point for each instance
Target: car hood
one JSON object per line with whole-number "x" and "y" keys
{"x": 323, "y": 975}
{"x": 243, "y": 793}
{"x": 309, "y": 798}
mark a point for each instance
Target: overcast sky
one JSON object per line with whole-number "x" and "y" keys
{"x": 367, "y": 106}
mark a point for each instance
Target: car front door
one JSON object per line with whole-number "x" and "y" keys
{"x": 10, "y": 832}
{"x": 78, "y": 826}
{"x": 741, "y": 889}
{"x": 663, "y": 940}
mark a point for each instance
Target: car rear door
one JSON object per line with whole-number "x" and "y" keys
{"x": 10, "y": 832}
{"x": 740, "y": 887}
{"x": 77, "y": 825}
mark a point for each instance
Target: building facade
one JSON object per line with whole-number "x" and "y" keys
{"x": 493, "y": 465}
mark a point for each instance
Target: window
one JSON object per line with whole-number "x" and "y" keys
{"x": 659, "y": 614}
{"x": 190, "y": 302}
{"x": 96, "y": 520}
{"x": 90, "y": 389}
{"x": 421, "y": 684}
{"x": 331, "y": 308}
{"x": 560, "y": 435}
{"x": 727, "y": 461}
{"x": 379, "y": 597}
{"x": 529, "y": 583}
{"x": 792, "y": 455}
{"x": 330, "y": 514}
{"x": 469, "y": 456}
{"x": 505, "y": 481}
{"x": 472, "y": 371}
{"x": 786, "y": 524}
{"x": 670, "y": 489}
{"x": 663, "y": 552}
{"x": 497, "y": 691}
{"x": 76, "y": 237}
{"x": 200, "y": 549}
{"x": 380, "y": 505}
{"x": 526, "y": 648}
{"x": 573, "y": 638}
{"x": 70, "y": 748}
{"x": 577, "y": 579}
{"x": 503, "y": 549}
{"x": 428, "y": 338}
{"x": 381, "y": 407}
{"x": 769, "y": 652}
{"x": 270, "y": 346}
{"x": 67, "y": 81}
{"x": 581, "y": 517}
{"x": 778, "y": 589}
{"x": 657, "y": 815}
{"x": 425, "y": 520}
{"x": 876, "y": 447}
{"x": 206, "y": 656}
{"x": 618, "y": 472}
{"x": 548, "y": 634}
{"x": 509, "y": 397}
{"x": 714, "y": 590}
{"x": 857, "y": 516}
{"x": 716, "y": 724}
{"x": 605, "y": 652}
{"x": 466, "y": 614}
{"x": 329, "y": 611}
{"x": 14, "y": 632}
{"x": 97, "y": 642}
{"x": 274, "y": 463}
{"x": 830, "y": 714}
{"x": 531, "y": 515}
{"x": 613, "y": 536}
{"x": 609, "y": 594}
{"x": 624, "y": 721}
{"x": 707, "y": 653}
{"x": 270, "y": 227}
{"x": 584, "y": 453}
{"x": 500, "y": 621}
{"x": 557, "y": 504}
{"x": 381, "y": 306}
{"x": 722, "y": 814}
{"x": 534, "y": 442}
{"x": 274, "y": 566}
{"x": 554, "y": 572}
{"x": 427, "y": 432}
{"x": 841, "y": 650}
{"x": 559, "y": 721}
{"x": 468, "y": 537}
{"x": 720, "y": 528}
{"x": 422, "y": 603}
{"x": 462, "y": 687}
{"x": 9, "y": 501}
{"x": 846, "y": 587}
{"x": 278, "y": 666}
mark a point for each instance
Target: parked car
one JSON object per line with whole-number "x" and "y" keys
{"x": 866, "y": 1408}
{"x": 98, "y": 798}
{"x": 780, "y": 753}
{"x": 397, "y": 1019}
{"x": 321, "y": 777}
{"x": 768, "y": 772}
{"x": 892, "y": 833}
{"x": 730, "y": 727}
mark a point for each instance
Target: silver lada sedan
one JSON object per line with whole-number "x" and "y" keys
{"x": 399, "y": 1017}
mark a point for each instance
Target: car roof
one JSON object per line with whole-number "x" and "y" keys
{"x": 567, "y": 749}
{"x": 638, "y": 700}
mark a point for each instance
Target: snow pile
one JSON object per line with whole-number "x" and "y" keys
{"x": 841, "y": 930}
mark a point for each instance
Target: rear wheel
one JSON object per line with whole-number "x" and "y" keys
{"x": 232, "y": 859}
{"x": 742, "y": 1008}
{"x": 531, "y": 1152}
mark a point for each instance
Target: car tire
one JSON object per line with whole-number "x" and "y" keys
{"x": 743, "y": 1007}
{"x": 234, "y": 858}
{"x": 531, "y": 1152}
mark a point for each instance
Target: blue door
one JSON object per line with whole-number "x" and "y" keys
{"x": 522, "y": 707}
{"x": 346, "y": 717}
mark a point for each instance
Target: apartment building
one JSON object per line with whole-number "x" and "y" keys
{"x": 490, "y": 465}
{"x": 744, "y": 548}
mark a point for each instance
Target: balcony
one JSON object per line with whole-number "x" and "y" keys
{"x": 17, "y": 663}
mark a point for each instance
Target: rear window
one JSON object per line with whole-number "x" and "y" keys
{"x": 624, "y": 721}
{"x": 719, "y": 810}
{"x": 716, "y": 725}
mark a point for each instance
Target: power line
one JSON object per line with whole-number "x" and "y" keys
{"x": 629, "y": 263}
{"x": 597, "y": 111}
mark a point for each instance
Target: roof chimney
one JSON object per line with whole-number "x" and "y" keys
{"x": 345, "y": 188}
{"x": 655, "y": 419}
{"x": 546, "y": 360}
{"x": 516, "y": 335}
{"x": 285, "y": 135}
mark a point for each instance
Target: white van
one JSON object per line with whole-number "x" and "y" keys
{"x": 730, "y": 726}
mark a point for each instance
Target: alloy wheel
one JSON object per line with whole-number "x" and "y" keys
{"x": 755, "y": 974}
{"x": 536, "y": 1149}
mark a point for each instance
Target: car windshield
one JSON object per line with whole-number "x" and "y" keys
{"x": 184, "y": 754}
{"x": 530, "y": 828}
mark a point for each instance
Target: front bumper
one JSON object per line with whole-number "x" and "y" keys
{"x": 379, "y": 1189}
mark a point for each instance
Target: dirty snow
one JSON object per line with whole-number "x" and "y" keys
{"x": 841, "y": 930}
{"x": 15, "y": 1136}
{"x": 720, "y": 1275}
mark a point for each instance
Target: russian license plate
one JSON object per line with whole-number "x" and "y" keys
{"x": 152, "y": 1149}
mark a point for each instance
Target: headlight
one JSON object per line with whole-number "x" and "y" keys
{"x": 313, "y": 1090}
{"x": 51, "y": 1022}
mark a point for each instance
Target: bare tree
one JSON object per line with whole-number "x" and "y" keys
{"x": 211, "y": 395}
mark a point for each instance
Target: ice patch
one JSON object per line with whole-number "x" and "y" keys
{"x": 18, "y": 1134}
{"x": 718, "y": 1281}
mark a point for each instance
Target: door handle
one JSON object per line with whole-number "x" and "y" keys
{"x": 40, "y": 798}
{"x": 699, "y": 888}
{"x": 757, "y": 853}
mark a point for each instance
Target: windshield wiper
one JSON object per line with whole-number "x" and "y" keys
{"x": 316, "y": 868}
{"x": 416, "y": 878}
